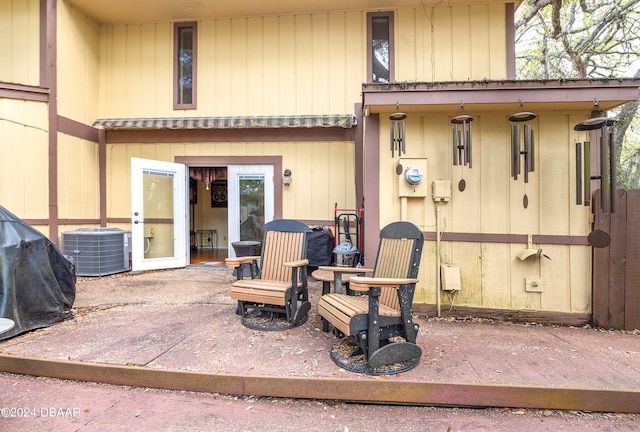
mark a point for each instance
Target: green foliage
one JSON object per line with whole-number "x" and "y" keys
{"x": 586, "y": 39}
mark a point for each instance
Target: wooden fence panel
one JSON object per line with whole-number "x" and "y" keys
{"x": 616, "y": 273}
{"x": 632, "y": 277}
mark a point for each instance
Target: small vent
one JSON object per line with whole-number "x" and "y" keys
{"x": 98, "y": 251}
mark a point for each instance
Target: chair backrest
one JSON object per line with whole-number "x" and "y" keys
{"x": 285, "y": 240}
{"x": 399, "y": 254}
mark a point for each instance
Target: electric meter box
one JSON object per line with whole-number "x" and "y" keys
{"x": 412, "y": 181}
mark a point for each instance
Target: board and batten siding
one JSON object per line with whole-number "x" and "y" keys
{"x": 20, "y": 42}
{"x": 451, "y": 43}
{"x": 78, "y": 178}
{"x": 293, "y": 64}
{"x": 78, "y": 58}
{"x": 322, "y": 172}
{"x": 492, "y": 203}
{"x": 24, "y": 149}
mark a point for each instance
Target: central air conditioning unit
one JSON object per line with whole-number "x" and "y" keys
{"x": 98, "y": 251}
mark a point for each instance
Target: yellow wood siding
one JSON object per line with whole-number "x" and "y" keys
{"x": 78, "y": 175}
{"x": 20, "y": 41}
{"x": 78, "y": 57}
{"x": 451, "y": 43}
{"x": 322, "y": 172}
{"x": 293, "y": 64}
{"x": 24, "y": 172}
{"x": 492, "y": 203}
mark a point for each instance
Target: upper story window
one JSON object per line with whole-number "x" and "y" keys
{"x": 380, "y": 52}
{"x": 184, "y": 66}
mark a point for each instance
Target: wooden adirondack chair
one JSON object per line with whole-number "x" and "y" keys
{"x": 376, "y": 323}
{"x": 278, "y": 285}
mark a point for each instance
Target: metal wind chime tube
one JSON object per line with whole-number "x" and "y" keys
{"x": 578, "y": 178}
{"x": 605, "y": 175}
{"x": 398, "y": 133}
{"x": 613, "y": 172}
{"x": 515, "y": 151}
{"x": 583, "y": 173}
{"x": 587, "y": 173}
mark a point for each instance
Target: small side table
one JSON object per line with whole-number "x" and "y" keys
{"x": 340, "y": 276}
{"x": 6, "y": 324}
{"x": 207, "y": 238}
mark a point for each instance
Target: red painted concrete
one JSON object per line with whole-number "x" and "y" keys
{"x": 184, "y": 320}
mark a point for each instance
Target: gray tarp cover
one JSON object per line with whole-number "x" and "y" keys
{"x": 37, "y": 283}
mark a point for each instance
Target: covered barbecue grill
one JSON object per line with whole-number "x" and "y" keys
{"x": 37, "y": 283}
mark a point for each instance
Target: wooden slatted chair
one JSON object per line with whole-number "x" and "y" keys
{"x": 380, "y": 324}
{"x": 278, "y": 285}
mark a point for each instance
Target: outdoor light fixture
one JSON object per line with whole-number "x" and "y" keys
{"x": 286, "y": 177}
{"x": 398, "y": 132}
{"x": 461, "y": 135}
{"x": 598, "y": 123}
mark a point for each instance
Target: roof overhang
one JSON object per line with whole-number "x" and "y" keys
{"x": 504, "y": 95}
{"x": 345, "y": 121}
{"x": 128, "y": 11}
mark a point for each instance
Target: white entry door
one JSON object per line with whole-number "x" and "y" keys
{"x": 250, "y": 189}
{"x": 158, "y": 215}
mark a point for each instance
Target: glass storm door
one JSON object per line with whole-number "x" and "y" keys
{"x": 250, "y": 202}
{"x": 158, "y": 215}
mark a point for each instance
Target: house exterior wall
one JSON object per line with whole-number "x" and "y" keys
{"x": 451, "y": 43}
{"x": 292, "y": 64}
{"x": 20, "y": 41}
{"x": 78, "y": 58}
{"x": 24, "y": 157}
{"x": 492, "y": 203}
{"x": 322, "y": 172}
{"x": 78, "y": 197}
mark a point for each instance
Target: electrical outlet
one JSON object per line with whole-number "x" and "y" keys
{"x": 533, "y": 284}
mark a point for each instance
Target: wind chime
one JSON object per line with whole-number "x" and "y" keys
{"x": 461, "y": 135}
{"x": 522, "y": 147}
{"x": 398, "y": 132}
{"x": 597, "y": 122}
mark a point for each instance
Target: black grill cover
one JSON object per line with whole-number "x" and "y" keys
{"x": 319, "y": 247}
{"x": 37, "y": 283}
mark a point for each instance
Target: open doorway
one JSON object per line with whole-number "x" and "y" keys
{"x": 227, "y": 204}
{"x": 208, "y": 215}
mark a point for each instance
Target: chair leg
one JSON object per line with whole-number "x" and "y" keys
{"x": 301, "y": 312}
{"x": 325, "y": 325}
{"x": 373, "y": 332}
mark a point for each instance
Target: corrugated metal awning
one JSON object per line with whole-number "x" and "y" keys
{"x": 345, "y": 121}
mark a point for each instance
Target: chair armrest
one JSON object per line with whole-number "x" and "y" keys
{"x": 363, "y": 283}
{"x": 237, "y": 261}
{"x": 299, "y": 263}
